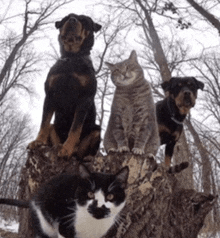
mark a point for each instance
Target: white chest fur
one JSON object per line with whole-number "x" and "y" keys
{"x": 86, "y": 226}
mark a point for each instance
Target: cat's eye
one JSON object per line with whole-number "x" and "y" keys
{"x": 91, "y": 195}
{"x": 110, "y": 197}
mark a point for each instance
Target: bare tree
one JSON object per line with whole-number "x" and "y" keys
{"x": 206, "y": 14}
{"x": 19, "y": 65}
{"x": 14, "y": 134}
{"x": 17, "y": 60}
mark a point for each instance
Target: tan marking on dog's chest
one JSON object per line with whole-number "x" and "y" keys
{"x": 163, "y": 128}
{"x": 184, "y": 110}
{"x": 175, "y": 134}
{"x": 84, "y": 80}
{"x": 52, "y": 79}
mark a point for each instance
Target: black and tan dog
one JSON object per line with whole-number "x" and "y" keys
{"x": 171, "y": 112}
{"x": 70, "y": 89}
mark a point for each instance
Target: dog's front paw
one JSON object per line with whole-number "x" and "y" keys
{"x": 64, "y": 152}
{"x": 138, "y": 151}
{"x": 123, "y": 149}
{"x": 34, "y": 144}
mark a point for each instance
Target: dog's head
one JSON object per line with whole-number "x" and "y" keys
{"x": 76, "y": 34}
{"x": 184, "y": 91}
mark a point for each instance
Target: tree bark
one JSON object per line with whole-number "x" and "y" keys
{"x": 42, "y": 164}
{"x": 206, "y": 164}
{"x": 181, "y": 154}
{"x": 157, "y": 205}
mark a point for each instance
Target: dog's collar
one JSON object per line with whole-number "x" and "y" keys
{"x": 173, "y": 114}
{"x": 176, "y": 121}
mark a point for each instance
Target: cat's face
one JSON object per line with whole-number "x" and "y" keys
{"x": 101, "y": 195}
{"x": 126, "y": 72}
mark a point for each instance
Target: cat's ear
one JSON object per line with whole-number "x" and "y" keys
{"x": 110, "y": 66}
{"x": 84, "y": 172}
{"x": 122, "y": 176}
{"x": 133, "y": 56}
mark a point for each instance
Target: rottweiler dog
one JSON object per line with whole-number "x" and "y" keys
{"x": 171, "y": 112}
{"x": 70, "y": 90}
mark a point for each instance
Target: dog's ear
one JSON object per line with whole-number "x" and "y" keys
{"x": 166, "y": 86}
{"x": 96, "y": 27}
{"x": 200, "y": 85}
{"x": 58, "y": 24}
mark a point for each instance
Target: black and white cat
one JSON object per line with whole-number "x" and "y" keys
{"x": 82, "y": 206}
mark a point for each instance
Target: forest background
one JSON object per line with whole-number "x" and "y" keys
{"x": 171, "y": 38}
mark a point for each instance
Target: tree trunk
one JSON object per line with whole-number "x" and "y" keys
{"x": 157, "y": 49}
{"x": 206, "y": 164}
{"x": 181, "y": 154}
{"x": 157, "y": 205}
{"x": 42, "y": 164}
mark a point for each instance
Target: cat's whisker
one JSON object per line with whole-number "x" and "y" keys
{"x": 71, "y": 208}
{"x": 111, "y": 187}
{"x": 92, "y": 184}
{"x": 119, "y": 222}
{"x": 69, "y": 215}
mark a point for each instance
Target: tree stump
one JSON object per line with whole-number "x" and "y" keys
{"x": 157, "y": 205}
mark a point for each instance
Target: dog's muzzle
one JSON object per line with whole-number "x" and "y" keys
{"x": 187, "y": 98}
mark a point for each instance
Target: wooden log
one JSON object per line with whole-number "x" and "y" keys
{"x": 157, "y": 205}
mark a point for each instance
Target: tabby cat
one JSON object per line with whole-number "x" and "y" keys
{"x": 81, "y": 206}
{"x": 132, "y": 125}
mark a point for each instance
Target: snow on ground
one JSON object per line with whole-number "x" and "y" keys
{"x": 9, "y": 225}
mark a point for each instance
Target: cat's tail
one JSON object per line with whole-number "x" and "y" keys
{"x": 14, "y": 202}
{"x": 178, "y": 168}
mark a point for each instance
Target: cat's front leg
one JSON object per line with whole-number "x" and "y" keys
{"x": 141, "y": 138}
{"x": 119, "y": 135}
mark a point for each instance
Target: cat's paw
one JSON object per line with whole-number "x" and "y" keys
{"x": 138, "y": 151}
{"x": 112, "y": 150}
{"x": 123, "y": 149}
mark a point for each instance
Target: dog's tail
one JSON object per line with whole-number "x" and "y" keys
{"x": 14, "y": 202}
{"x": 178, "y": 168}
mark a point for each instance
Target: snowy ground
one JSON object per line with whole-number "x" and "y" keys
{"x": 8, "y": 226}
